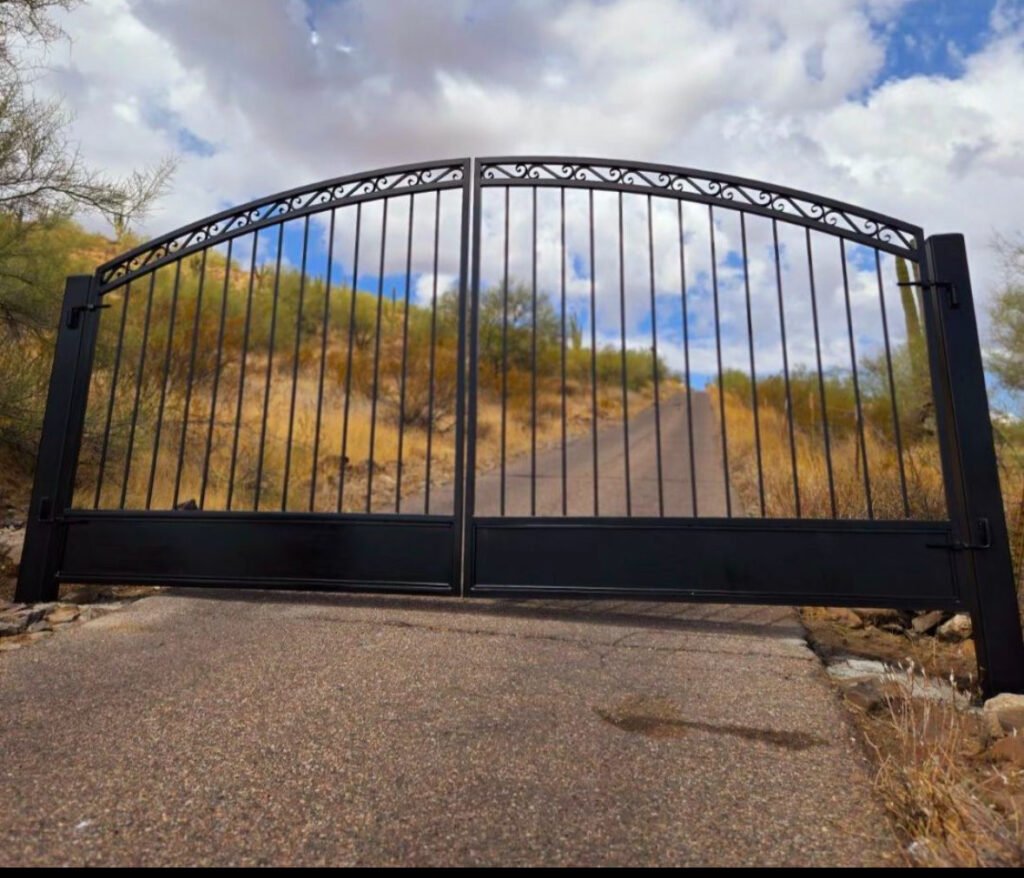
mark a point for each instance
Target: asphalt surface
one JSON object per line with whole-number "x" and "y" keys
{"x": 246, "y": 729}
{"x": 230, "y": 728}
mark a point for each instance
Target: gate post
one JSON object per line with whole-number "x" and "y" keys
{"x": 971, "y": 470}
{"x": 59, "y": 442}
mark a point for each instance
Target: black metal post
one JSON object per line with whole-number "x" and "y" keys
{"x": 972, "y": 476}
{"x": 60, "y": 440}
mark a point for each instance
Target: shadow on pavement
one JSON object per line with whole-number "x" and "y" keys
{"x": 735, "y": 619}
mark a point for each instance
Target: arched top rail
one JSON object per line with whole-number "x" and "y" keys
{"x": 279, "y": 208}
{"x": 736, "y": 193}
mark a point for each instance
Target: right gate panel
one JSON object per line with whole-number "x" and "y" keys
{"x": 698, "y": 386}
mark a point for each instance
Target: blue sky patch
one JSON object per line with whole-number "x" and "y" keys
{"x": 932, "y": 37}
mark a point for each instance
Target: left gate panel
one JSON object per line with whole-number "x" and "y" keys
{"x": 273, "y": 395}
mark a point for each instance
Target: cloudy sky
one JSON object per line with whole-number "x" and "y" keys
{"x": 910, "y": 107}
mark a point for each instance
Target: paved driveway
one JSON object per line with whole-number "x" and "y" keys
{"x": 244, "y": 729}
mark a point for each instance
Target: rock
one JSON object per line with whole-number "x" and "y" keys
{"x": 34, "y": 614}
{"x": 854, "y": 669}
{"x": 10, "y": 627}
{"x": 1009, "y": 749}
{"x": 9, "y": 643}
{"x": 13, "y": 541}
{"x": 1008, "y": 802}
{"x": 872, "y": 694}
{"x": 844, "y": 616}
{"x": 991, "y": 729}
{"x": 1007, "y": 711}
{"x": 865, "y": 695}
{"x": 62, "y": 614}
{"x": 927, "y": 622}
{"x": 956, "y": 629}
{"x": 36, "y": 627}
{"x": 880, "y": 617}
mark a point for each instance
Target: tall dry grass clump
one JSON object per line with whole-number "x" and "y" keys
{"x": 924, "y": 749}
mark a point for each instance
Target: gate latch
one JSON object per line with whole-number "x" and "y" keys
{"x": 75, "y": 314}
{"x": 984, "y": 531}
{"x": 954, "y": 301}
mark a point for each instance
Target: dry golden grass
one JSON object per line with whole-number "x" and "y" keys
{"x": 922, "y": 468}
{"x": 941, "y": 795}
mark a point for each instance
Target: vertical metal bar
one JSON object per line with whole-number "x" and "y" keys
{"x": 625, "y": 376}
{"x": 59, "y": 444}
{"x": 892, "y": 387}
{"x": 138, "y": 392}
{"x": 856, "y": 381}
{"x": 654, "y": 352}
{"x": 465, "y": 444}
{"x": 241, "y": 376}
{"x": 163, "y": 385}
{"x": 565, "y": 494}
{"x": 686, "y": 361}
{"x": 326, "y": 320}
{"x": 533, "y": 364}
{"x": 753, "y": 369}
{"x": 433, "y": 354}
{"x": 191, "y": 375}
{"x": 343, "y": 460}
{"x": 593, "y": 353}
{"x": 270, "y": 367}
{"x": 113, "y": 393}
{"x": 504, "y": 362}
{"x": 295, "y": 366}
{"x": 405, "y": 355}
{"x": 785, "y": 370}
{"x": 216, "y": 373}
{"x": 376, "y": 357}
{"x": 970, "y": 466}
{"x": 821, "y": 375}
{"x": 718, "y": 352}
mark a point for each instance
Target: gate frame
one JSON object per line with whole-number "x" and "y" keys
{"x": 974, "y": 539}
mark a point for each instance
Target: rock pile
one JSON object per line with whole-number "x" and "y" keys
{"x": 945, "y": 626}
{"x": 25, "y": 623}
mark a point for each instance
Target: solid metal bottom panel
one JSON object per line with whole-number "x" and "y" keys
{"x": 260, "y": 550}
{"x": 899, "y": 564}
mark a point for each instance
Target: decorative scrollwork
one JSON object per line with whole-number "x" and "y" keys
{"x": 802, "y": 208}
{"x": 279, "y": 208}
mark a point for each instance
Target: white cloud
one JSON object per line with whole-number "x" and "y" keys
{"x": 287, "y": 94}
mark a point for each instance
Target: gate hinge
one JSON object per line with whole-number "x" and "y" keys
{"x": 75, "y": 314}
{"x": 954, "y": 301}
{"x": 984, "y": 532}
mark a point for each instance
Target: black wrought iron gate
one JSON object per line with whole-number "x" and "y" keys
{"x": 532, "y": 376}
